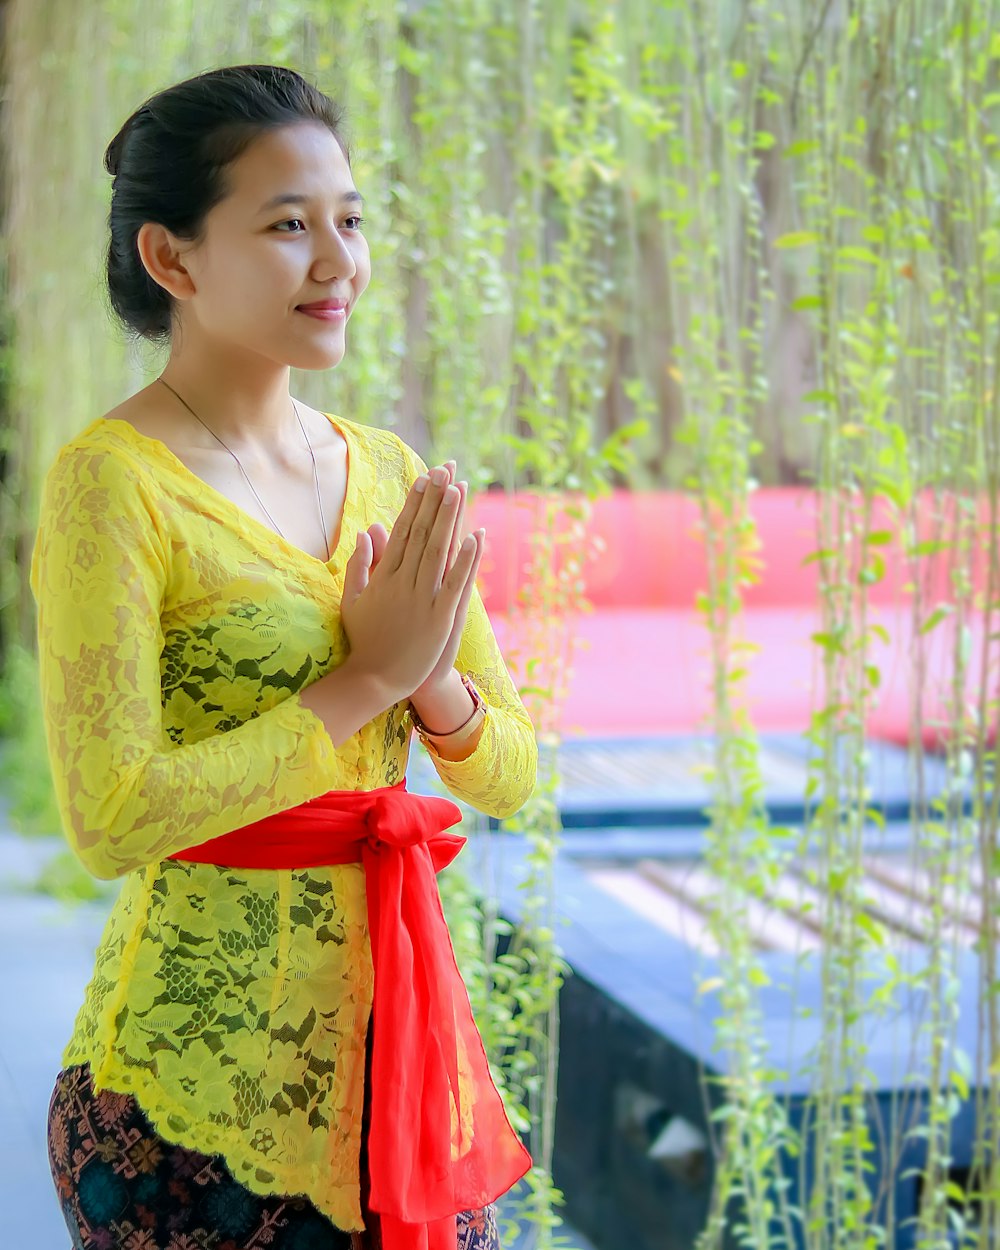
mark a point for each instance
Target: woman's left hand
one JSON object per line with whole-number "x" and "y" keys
{"x": 446, "y": 661}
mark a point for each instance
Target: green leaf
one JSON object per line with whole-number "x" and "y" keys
{"x": 936, "y": 617}
{"x": 863, "y": 254}
{"x": 829, "y": 642}
{"x": 873, "y": 571}
{"x": 802, "y": 147}
{"x": 796, "y": 238}
{"x": 822, "y": 553}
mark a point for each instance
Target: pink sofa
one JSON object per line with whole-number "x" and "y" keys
{"x": 644, "y": 665}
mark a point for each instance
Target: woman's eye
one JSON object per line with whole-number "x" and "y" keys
{"x": 352, "y": 223}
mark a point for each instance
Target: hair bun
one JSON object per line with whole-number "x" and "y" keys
{"x": 113, "y": 153}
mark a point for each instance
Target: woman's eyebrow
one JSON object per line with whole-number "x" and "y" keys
{"x": 294, "y": 197}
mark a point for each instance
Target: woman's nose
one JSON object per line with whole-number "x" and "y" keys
{"x": 337, "y": 257}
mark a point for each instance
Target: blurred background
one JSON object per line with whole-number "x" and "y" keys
{"x": 703, "y": 297}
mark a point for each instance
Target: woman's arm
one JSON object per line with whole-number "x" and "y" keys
{"x": 126, "y": 794}
{"x": 500, "y": 773}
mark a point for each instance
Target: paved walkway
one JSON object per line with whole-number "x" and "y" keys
{"x": 46, "y": 958}
{"x": 46, "y": 954}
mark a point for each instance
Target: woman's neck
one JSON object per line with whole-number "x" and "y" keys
{"x": 248, "y": 407}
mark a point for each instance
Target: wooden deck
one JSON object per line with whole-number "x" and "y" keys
{"x": 898, "y": 896}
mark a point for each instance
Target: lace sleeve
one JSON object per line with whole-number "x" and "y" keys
{"x": 499, "y": 775}
{"x": 126, "y": 794}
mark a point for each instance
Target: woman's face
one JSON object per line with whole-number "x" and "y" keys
{"x": 287, "y": 234}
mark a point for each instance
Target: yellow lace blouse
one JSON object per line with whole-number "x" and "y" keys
{"x": 175, "y": 631}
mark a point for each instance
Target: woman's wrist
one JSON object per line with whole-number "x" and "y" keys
{"x": 347, "y": 698}
{"x": 444, "y": 707}
{"x": 456, "y": 704}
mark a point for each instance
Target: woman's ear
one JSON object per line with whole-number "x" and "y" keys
{"x": 162, "y": 256}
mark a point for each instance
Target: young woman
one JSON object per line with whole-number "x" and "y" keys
{"x": 244, "y": 604}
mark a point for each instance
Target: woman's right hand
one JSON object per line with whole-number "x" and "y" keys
{"x": 398, "y": 615}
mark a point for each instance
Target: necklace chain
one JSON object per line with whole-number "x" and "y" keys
{"x": 319, "y": 497}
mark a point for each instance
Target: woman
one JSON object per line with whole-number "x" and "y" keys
{"x": 244, "y": 604}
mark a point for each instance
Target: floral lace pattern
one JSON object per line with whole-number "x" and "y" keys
{"x": 175, "y": 632}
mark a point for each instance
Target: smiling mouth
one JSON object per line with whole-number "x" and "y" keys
{"x": 324, "y": 314}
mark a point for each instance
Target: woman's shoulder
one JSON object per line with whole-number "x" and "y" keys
{"x": 105, "y": 454}
{"x": 115, "y": 428}
{"x": 390, "y": 454}
{"x": 124, "y": 440}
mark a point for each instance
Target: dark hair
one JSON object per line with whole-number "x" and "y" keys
{"x": 169, "y": 160}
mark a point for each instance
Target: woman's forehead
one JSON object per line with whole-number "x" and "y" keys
{"x": 304, "y": 161}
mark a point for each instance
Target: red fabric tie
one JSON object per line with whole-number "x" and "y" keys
{"x": 439, "y": 1140}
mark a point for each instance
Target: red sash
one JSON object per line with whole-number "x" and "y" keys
{"x": 439, "y": 1140}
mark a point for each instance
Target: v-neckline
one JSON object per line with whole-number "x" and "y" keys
{"x": 247, "y": 518}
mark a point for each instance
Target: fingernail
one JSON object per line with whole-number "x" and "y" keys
{"x": 420, "y": 485}
{"x": 439, "y": 476}
{"x": 450, "y": 495}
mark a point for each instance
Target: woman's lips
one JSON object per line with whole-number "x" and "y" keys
{"x": 324, "y": 314}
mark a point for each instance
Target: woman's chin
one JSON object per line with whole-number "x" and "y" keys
{"x": 315, "y": 357}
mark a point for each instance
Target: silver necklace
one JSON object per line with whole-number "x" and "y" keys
{"x": 319, "y": 497}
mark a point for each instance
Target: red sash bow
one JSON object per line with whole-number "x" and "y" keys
{"x": 439, "y": 1140}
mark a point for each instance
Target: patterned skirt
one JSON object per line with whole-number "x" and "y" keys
{"x": 123, "y": 1187}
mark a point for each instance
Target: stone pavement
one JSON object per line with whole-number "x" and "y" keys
{"x": 46, "y": 957}
{"x": 46, "y": 954}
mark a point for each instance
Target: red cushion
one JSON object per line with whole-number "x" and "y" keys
{"x": 649, "y": 672}
{"x": 654, "y": 554}
{"x": 643, "y": 666}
